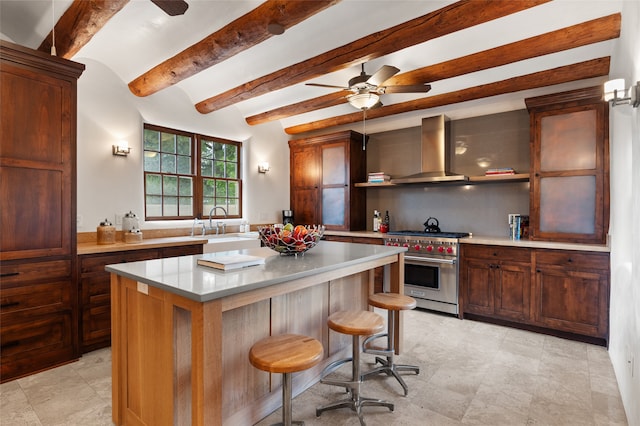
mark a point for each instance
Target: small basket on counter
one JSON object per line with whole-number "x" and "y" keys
{"x": 289, "y": 239}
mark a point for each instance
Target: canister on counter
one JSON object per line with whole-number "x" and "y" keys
{"x": 106, "y": 233}
{"x": 130, "y": 222}
{"x": 133, "y": 236}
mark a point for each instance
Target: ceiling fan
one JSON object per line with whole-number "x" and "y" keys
{"x": 368, "y": 88}
{"x": 172, "y": 7}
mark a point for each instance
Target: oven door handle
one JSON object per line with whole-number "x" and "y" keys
{"x": 430, "y": 260}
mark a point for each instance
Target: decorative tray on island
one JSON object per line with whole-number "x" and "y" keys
{"x": 289, "y": 239}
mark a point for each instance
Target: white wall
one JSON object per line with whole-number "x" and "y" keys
{"x": 110, "y": 185}
{"x": 625, "y": 220}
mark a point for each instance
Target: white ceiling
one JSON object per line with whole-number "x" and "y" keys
{"x": 141, "y": 36}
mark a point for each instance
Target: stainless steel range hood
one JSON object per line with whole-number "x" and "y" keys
{"x": 434, "y": 155}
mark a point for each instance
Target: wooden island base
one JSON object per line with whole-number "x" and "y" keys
{"x": 177, "y": 361}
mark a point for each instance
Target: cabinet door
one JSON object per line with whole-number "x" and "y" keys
{"x": 305, "y": 181}
{"x": 36, "y": 174}
{"x": 335, "y": 186}
{"x": 572, "y": 300}
{"x": 477, "y": 287}
{"x": 512, "y": 286}
{"x": 570, "y": 156}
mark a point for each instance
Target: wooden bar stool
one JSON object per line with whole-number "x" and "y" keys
{"x": 356, "y": 324}
{"x": 392, "y": 302}
{"x": 286, "y": 353}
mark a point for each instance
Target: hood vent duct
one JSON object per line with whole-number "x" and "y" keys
{"x": 435, "y": 155}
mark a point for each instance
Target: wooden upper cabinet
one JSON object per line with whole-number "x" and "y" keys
{"x": 324, "y": 170}
{"x": 569, "y": 193}
{"x": 37, "y": 153}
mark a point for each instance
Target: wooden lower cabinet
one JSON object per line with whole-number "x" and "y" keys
{"x": 571, "y": 292}
{"x": 379, "y": 272}
{"x": 497, "y": 281}
{"x": 95, "y": 290}
{"x": 38, "y": 317}
{"x": 561, "y": 291}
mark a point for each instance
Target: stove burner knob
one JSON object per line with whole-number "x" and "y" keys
{"x": 449, "y": 250}
{"x": 405, "y": 245}
{"x": 417, "y": 247}
{"x": 440, "y": 249}
{"x": 430, "y": 248}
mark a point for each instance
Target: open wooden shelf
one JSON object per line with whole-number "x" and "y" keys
{"x": 519, "y": 177}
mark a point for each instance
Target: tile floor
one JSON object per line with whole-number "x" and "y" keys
{"x": 472, "y": 373}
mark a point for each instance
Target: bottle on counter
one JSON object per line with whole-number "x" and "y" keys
{"x": 384, "y": 226}
{"x": 376, "y": 221}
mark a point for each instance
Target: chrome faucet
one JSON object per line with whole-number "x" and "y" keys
{"x": 196, "y": 222}
{"x": 218, "y": 224}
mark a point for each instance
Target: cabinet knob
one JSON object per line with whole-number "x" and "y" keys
{"x": 538, "y": 270}
{"x": 569, "y": 260}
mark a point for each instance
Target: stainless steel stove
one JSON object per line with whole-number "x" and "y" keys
{"x": 431, "y": 267}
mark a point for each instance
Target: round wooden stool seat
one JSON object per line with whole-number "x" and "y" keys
{"x": 356, "y": 323}
{"x": 286, "y": 353}
{"x": 392, "y": 301}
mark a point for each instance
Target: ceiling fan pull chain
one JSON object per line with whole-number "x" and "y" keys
{"x": 364, "y": 129}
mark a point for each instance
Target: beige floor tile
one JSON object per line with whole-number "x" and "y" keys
{"x": 471, "y": 373}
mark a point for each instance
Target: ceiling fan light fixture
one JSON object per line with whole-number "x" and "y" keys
{"x": 363, "y": 101}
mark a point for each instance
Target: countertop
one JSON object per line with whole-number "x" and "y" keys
{"x": 489, "y": 240}
{"x": 93, "y": 247}
{"x": 182, "y": 275}
{"x": 505, "y": 241}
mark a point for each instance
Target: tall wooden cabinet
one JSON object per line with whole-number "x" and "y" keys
{"x": 38, "y": 298}
{"x": 324, "y": 171}
{"x": 569, "y": 167}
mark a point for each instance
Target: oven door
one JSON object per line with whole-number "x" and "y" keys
{"x": 431, "y": 279}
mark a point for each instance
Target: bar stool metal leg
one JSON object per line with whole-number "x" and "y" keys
{"x": 355, "y": 401}
{"x": 387, "y": 364}
{"x": 286, "y": 403}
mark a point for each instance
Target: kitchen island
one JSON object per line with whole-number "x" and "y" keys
{"x": 181, "y": 332}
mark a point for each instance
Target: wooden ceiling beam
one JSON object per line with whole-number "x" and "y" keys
{"x": 449, "y": 19}
{"x": 597, "y": 30}
{"x": 79, "y": 23}
{"x": 239, "y": 35}
{"x": 580, "y": 71}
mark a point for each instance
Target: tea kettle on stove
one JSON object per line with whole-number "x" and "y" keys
{"x": 431, "y": 225}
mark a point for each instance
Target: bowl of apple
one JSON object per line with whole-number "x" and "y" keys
{"x": 291, "y": 239}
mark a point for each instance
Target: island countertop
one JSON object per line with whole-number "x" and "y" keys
{"x": 181, "y": 332}
{"x": 184, "y": 277}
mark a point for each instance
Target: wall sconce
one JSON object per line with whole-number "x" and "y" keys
{"x": 263, "y": 167}
{"x": 616, "y": 93}
{"x": 121, "y": 149}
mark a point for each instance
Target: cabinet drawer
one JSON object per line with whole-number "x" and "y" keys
{"x": 34, "y": 271}
{"x": 496, "y": 253}
{"x": 90, "y": 263}
{"x": 576, "y": 259}
{"x": 36, "y": 335}
{"x": 96, "y": 289}
{"x": 47, "y": 297}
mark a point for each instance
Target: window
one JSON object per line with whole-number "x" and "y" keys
{"x": 186, "y": 175}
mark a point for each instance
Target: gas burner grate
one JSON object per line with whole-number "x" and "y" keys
{"x": 409, "y": 233}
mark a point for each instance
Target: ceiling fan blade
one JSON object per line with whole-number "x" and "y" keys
{"x": 172, "y": 7}
{"x": 382, "y": 75}
{"x": 413, "y": 88}
{"x": 327, "y": 85}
